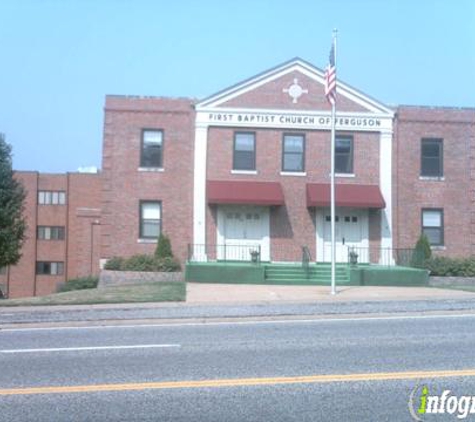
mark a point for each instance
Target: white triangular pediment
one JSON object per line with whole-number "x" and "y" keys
{"x": 293, "y": 67}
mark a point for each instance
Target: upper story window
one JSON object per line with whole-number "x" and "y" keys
{"x": 432, "y": 164}
{"x": 152, "y": 148}
{"x": 150, "y": 219}
{"x": 50, "y": 232}
{"x": 343, "y": 154}
{"x": 244, "y": 157}
{"x": 433, "y": 226}
{"x": 46, "y": 197}
{"x": 293, "y": 153}
{"x": 49, "y": 268}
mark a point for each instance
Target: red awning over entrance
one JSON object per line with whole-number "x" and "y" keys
{"x": 346, "y": 195}
{"x": 240, "y": 192}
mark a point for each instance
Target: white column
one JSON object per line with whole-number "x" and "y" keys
{"x": 199, "y": 191}
{"x": 385, "y": 180}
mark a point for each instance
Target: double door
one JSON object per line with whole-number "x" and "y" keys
{"x": 242, "y": 229}
{"x": 351, "y": 230}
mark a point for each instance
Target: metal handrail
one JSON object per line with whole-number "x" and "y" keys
{"x": 224, "y": 252}
{"x": 306, "y": 258}
{"x": 404, "y": 257}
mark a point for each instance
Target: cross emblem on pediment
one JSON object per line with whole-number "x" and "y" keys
{"x": 295, "y": 91}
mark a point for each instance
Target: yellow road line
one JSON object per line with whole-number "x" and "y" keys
{"x": 238, "y": 382}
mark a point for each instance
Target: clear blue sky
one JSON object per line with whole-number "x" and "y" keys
{"x": 59, "y": 58}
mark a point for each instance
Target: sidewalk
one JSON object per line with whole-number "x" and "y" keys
{"x": 218, "y": 301}
{"x": 198, "y": 293}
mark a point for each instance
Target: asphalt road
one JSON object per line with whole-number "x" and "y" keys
{"x": 249, "y": 371}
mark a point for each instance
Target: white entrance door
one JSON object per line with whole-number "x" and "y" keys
{"x": 351, "y": 230}
{"x": 242, "y": 229}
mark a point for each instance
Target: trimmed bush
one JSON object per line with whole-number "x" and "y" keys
{"x": 169, "y": 265}
{"x": 422, "y": 252}
{"x": 140, "y": 263}
{"x": 451, "y": 267}
{"x": 79, "y": 284}
{"x": 114, "y": 264}
{"x": 164, "y": 247}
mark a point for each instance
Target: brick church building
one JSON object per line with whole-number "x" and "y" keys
{"x": 250, "y": 166}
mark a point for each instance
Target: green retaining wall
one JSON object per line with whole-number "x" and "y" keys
{"x": 225, "y": 273}
{"x": 388, "y": 276}
{"x": 246, "y": 273}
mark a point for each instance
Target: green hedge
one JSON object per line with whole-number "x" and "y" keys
{"x": 114, "y": 264}
{"x": 143, "y": 262}
{"x": 455, "y": 267}
{"x": 79, "y": 284}
{"x": 164, "y": 247}
{"x": 421, "y": 253}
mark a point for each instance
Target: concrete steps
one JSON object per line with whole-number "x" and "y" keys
{"x": 295, "y": 274}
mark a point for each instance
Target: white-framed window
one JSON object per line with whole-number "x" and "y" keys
{"x": 344, "y": 154}
{"x": 50, "y": 232}
{"x": 432, "y": 157}
{"x": 244, "y": 156}
{"x": 433, "y": 225}
{"x": 49, "y": 268}
{"x": 150, "y": 219}
{"x": 151, "y": 155}
{"x": 293, "y": 153}
{"x": 47, "y": 197}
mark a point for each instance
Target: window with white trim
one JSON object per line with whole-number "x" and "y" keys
{"x": 48, "y": 197}
{"x": 293, "y": 153}
{"x": 49, "y": 268}
{"x": 152, "y": 148}
{"x": 244, "y": 157}
{"x": 150, "y": 219}
{"x": 50, "y": 232}
{"x": 344, "y": 154}
{"x": 433, "y": 226}
{"x": 432, "y": 158}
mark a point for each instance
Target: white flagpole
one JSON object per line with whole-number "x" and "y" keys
{"x": 332, "y": 182}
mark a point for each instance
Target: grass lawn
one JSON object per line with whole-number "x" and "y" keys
{"x": 151, "y": 292}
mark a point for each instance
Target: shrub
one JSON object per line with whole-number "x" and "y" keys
{"x": 79, "y": 284}
{"x": 169, "y": 265}
{"x": 422, "y": 252}
{"x": 455, "y": 267}
{"x": 114, "y": 264}
{"x": 140, "y": 263}
{"x": 164, "y": 247}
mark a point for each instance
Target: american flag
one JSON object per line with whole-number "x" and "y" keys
{"x": 330, "y": 77}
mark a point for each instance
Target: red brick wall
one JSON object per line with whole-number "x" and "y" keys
{"x": 455, "y": 194}
{"x": 82, "y": 196}
{"x": 374, "y": 229}
{"x": 124, "y": 186}
{"x": 84, "y": 217}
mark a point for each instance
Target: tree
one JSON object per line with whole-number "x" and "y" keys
{"x": 164, "y": 247}
{"x": 12, "y": 197}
